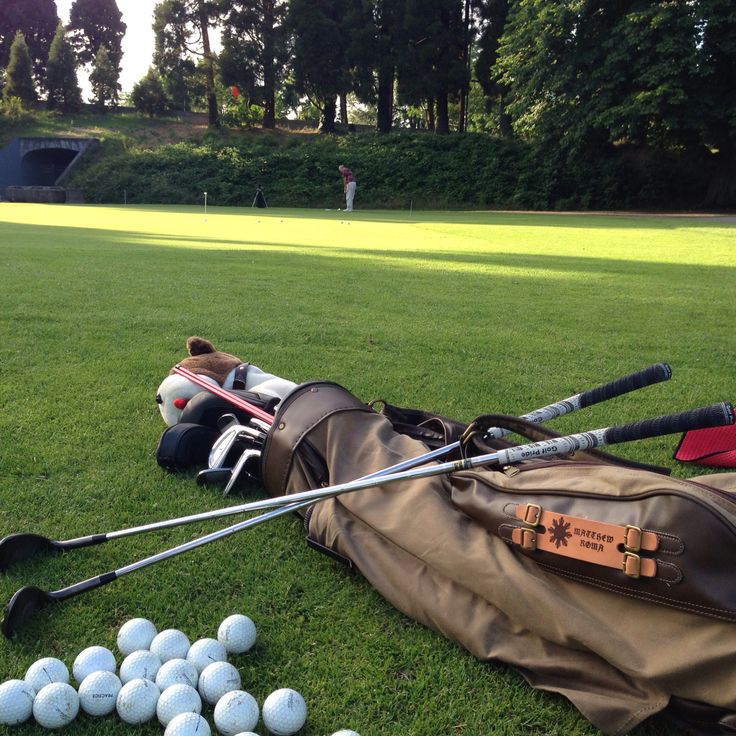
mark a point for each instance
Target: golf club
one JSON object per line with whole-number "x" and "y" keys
{"x": 28, "y": 599}
{"x": 17, "y": 547}
{"x": 227, "y": 440}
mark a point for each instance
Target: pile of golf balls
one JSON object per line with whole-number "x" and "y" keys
{"x": 161, "y": 675}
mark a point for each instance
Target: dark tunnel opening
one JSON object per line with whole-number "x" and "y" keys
{"x": 44, "y": 166}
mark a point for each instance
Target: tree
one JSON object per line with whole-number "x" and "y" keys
{"x": 93, "y": 24}
{"x": 19, "y": 74}
{"x": 256, "y": 51}
{"x": 432, "y": 65}
{"x": 320, "y": 54}
{"x": 149, "y": 96}
{"x": 37, "y": 20}
{"x": 492, "y": 16}
{"x": 104, "y": 80}
{"x": 61, "y": 75}
{"x": 182, "y": 30}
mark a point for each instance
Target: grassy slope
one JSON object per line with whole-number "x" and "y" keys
{"x": 458, "y": 313}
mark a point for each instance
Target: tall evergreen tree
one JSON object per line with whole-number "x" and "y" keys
{"x": 148, "y": 94}
{"x": 432, "y": 65}
{"x": 256, "y": 51}
{"x": 61, "y": 75}
{"x": 37, "y": 20}
{"x": 320, "y": 54}
{"x": 182, "y": 29}
{"x": 104, "y": 80}
{"x": 96, "y": 23}
{"x": 19, "y": 74}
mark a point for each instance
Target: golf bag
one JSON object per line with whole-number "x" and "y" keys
{"x": 604, "y": 581}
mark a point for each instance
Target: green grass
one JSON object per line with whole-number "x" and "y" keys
{"x": 460, "y": 313}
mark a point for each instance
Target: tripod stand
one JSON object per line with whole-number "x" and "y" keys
{"x": 259, "y": 200}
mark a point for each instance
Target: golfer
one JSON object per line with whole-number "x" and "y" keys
{"x": 349, "y": 185}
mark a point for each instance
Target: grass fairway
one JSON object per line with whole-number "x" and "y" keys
{"x": 461, "y": 313}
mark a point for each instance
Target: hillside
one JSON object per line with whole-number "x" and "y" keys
{"x": 174, "y": 160}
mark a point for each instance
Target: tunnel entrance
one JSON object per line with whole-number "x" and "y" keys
{"x": 44, "y": 166}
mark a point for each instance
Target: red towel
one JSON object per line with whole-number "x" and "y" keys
{"x": 715, "y": 447}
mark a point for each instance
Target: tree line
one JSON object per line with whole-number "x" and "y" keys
{"x": 580, "y": 76}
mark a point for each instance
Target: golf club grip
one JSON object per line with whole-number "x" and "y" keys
{"x": 625, "y": 384}
{"x": 709, "y": 416}
{"x": 717, "y": 415}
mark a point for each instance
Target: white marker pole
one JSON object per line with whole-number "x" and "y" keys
{"x": 205, "y": 204}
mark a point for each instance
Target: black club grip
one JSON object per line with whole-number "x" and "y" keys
{"x": 718, "y": 415}
{"x": 632, "y": 382}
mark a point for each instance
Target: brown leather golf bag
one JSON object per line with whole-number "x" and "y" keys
{"x": 604, "y": 581}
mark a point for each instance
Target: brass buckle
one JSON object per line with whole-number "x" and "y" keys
{"x": 532, "y": 514}
{"x": 528, "y": 540}
{"x": 632, "y": 538}
{"x": 632, "y": 565}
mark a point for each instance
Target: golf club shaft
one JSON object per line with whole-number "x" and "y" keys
{"x": 625, "y": 384}
{"x": 228, "y": 396}
{"x": 710, "y": 416}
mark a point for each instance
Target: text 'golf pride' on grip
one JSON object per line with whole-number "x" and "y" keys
{"x": 718, "y": 415}
{"x": 632, "y": 382}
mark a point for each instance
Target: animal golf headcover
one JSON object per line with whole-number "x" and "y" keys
{"x": 223, "y": 370}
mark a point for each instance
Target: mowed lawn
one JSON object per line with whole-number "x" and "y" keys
{"x": 460, "y": 313}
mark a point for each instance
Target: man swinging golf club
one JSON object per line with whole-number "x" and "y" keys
{"x": 349, "y": 186}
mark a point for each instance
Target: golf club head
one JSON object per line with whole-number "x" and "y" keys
{"x": 227, "y": 420}
{"x": 239, "y": 470}
{"x": 24, "y": 603}
{"x": 227, "y": 440}
{"x": 17, "y": 547}
{"x": 260, "y": 425}
{"x": 214, "y": 477}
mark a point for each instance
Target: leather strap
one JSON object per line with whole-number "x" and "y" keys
{"x": 598, "y": 542}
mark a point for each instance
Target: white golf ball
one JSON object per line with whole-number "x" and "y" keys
{"x": 236, "y": 712}
{"x": 45, "y": 671}
{"x": 345, "y": 732}
{"x": 16, "y": 702}
{"x": 188, "y": 724}
{"x": 284, "y": 712}
{"x": 137, "y": 700}
{"x": 177, "y": 672}
{"x": 135, "y": 634}
{"x": 237, "y": 633}
{"x": 92, "y": 659}
{"x": 170, "y": 644}
{"x": 216, "y": 679}
{"x": 56, "y": 705}
{"x": 140, "y": 665}
{"x": 175, "y": 700}
{"x": 98, "y": 693}
{"x": 204, "y": 652}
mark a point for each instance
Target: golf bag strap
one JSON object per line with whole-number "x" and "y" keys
{"x": 537, "y": 433}
{"x": 302, "y": 410}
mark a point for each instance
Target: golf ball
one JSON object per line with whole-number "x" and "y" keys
{"x": 237, "y": 633}
{"x": 204, "y": 652}
{"x": 137, "y": 700}
{"x": 98, "y": 693}
{"x": 16, "y": 702}
{"x": 216, "y": 679}
{"x": 92, "y": 659}
{"x": 188, "y": 724}
{"x": 45, "y": 671}
{"x": 345, "y": 732}
{"x": 135, "y": 634}
{"x": 170, "y": 644}
{"x": 236, "y": 712}
{"x": 175, "y": 700}
{"x": 177, "y": 672}
{"x": 284, "y": 712}
{"x": 56, "y": 705}
{"x": 140, "y": 665}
